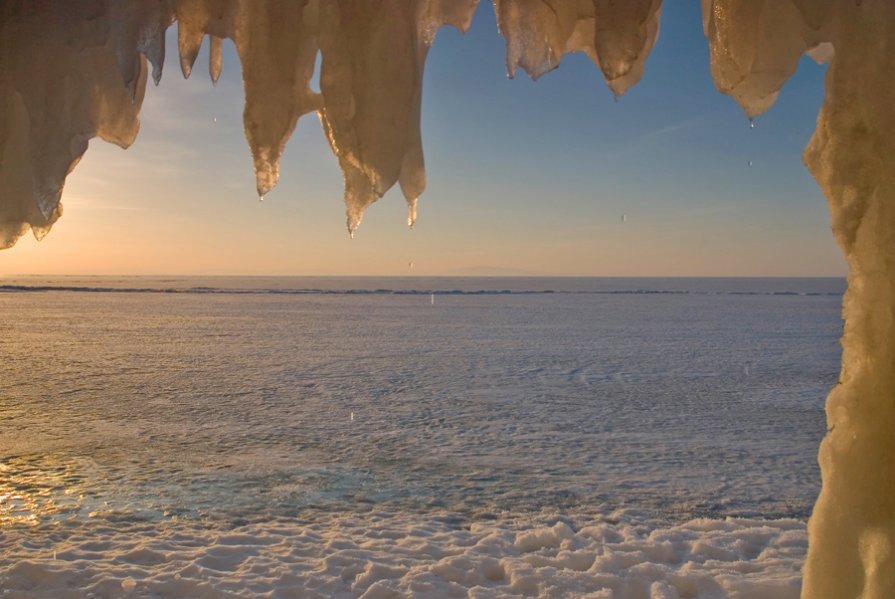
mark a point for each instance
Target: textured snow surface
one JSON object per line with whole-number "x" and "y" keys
{"x": 199, "y": 396}
{"x": 385, "y": 555}
{"x": 178, "y": 426}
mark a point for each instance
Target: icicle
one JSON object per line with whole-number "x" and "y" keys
{"x": 411, "y": 213}
{"x": 277, "y": 47}
{"x": 539, "y": 33}
{"x": 214, "y": 59}
{"x": 755, "y": 47}
{"x": 625, "y": 33}
{"x": 53, "y": 106}
{"x": 372, "y": 90}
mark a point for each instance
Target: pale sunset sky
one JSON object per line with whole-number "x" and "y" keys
{"x": 532, "y": 178}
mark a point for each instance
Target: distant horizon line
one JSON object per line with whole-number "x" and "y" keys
{"x": 420, "y": 276}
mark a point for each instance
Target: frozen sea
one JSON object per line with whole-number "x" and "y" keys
{"x": 418, "y": 437}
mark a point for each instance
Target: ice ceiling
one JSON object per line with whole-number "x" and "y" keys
{"x": 73, "y": 70}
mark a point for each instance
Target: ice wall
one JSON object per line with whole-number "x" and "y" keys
{"x": 852, "y": 155}
{"x": 70, "y": 71}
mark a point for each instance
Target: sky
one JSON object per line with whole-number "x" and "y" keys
{"x": 552, "y": 177}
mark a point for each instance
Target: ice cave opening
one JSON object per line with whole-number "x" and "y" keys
{"x": 73, "y": 71}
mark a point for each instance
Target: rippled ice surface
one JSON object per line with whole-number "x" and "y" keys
{"x": 246, "y": 399}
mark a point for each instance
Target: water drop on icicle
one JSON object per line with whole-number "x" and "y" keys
{"x": 260, "y": 198}
{"x": 752, "y": 123}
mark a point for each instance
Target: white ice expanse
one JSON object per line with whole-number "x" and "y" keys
{"x": 222, "y": 437}
{"x": 73, "y": 71}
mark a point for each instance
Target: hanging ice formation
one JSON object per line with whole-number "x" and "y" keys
{"x": 70, "y": 71}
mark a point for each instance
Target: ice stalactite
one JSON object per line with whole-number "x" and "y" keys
{"x": 65, "y": 77}
{"x": 372, "y": 58}
{"x": 70, "y": 71}
{"x": 276, "y": 43}
{"x": 756, "y": 45}
{"x": 371, "y": 81}
{"x": 616, "y": 36}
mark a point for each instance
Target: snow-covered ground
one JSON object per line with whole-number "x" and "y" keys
{"x": 548, "y": 437}
{"x": 378, "y": 555}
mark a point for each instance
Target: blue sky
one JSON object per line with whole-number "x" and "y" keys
{"x": 551, "y": 177}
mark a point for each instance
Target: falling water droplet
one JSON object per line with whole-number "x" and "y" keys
{"x": 352, "y": 416}
{"x": 410, "y": 265}
{"x": 749, "y": 163}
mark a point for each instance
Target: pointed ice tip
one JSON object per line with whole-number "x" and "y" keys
{"x": 353, "y": 223}
{"x": 411, "y": 213}
{"x": 263, "y": 187}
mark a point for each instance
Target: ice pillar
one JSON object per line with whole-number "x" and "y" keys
{"x": 852, "y": 154}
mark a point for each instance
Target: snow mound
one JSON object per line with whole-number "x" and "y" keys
{"x": 386, "y": 555}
